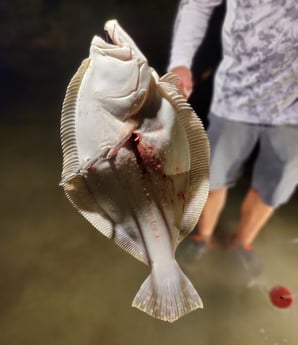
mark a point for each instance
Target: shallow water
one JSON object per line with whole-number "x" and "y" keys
{"x": 62, "y": 282}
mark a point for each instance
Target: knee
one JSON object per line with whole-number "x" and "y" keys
{"x": 252, "y": 201}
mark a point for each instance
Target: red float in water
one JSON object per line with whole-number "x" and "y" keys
{"x": 281, "y": 297}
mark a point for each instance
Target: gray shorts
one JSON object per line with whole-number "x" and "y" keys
{"x": 275, "y": 169}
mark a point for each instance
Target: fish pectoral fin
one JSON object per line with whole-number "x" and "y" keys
{"x": 91, "y": 162}
{"x": 86, "y": 167}
{"x": 167, "y": 297}
{"x": 114, "y": 150}
{"x": 125, "y": 134}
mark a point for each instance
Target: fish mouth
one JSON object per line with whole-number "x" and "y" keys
{"x": 114, "y": 50}
{"x": 113, "y": 31}
{"x": 121, "y": 46}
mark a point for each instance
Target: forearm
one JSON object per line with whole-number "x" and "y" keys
{"x": 189, "y": 30}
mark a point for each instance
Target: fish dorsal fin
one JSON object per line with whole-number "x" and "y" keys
{"x": 79, "y": 195}
{"x": 199, "y": 153}
{"x": 68, "y": 120}
{"x": 75, "y": 187}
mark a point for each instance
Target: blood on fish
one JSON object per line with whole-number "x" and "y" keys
{"x": 137, "y": 137}
{"x": 149, "y": 155}
{"x": 181, "y": 195}
{"x": 92, "y": 169}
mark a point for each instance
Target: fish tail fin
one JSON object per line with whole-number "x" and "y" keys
{"x": 167, "y": 296}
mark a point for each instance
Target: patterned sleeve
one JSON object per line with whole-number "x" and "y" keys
{"x": 189, "y": 29}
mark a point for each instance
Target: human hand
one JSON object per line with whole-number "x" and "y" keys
{"x": 185, "y": 83}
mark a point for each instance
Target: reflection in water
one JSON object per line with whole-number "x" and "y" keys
{"x": 64, "y": 283}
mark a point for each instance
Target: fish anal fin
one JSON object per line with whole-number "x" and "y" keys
{"x": 123, "y": 240}
{"x": 170, "y": 78}
{"x": 199, "y": 170}
{"x": 198, "y": 146}
{"x": 77, "y": 191}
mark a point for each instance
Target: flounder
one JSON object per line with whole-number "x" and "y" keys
{"x": 136, "y": 164}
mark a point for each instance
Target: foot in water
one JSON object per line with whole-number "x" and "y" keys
{"x": 248, "y": 258}
{"x": 193, "y": 249}
{"x": 250, "y": 261}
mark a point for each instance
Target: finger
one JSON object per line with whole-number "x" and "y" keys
{"x": 187, "y": 91}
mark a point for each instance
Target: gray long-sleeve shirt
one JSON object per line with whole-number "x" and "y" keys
{"x": 257, "y": 79}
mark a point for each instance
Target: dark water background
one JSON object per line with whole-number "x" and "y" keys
{"x": 61, "y": 282}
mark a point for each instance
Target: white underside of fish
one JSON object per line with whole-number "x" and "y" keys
{"x": 138, "y": 172}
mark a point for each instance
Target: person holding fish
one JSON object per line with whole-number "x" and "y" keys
{"x": 255, "y": 102}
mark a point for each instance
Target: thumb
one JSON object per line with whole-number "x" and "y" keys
{"x": 187, "y": 90}
{"x": 184, "y": 82}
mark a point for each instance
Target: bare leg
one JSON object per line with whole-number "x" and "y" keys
{"x": 211, "y": 212}
{"x": 254, "y": 214}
